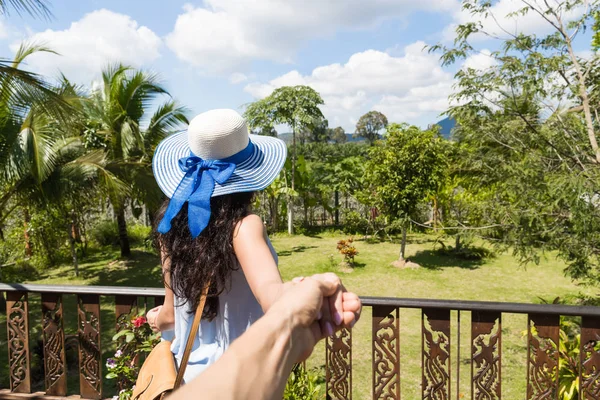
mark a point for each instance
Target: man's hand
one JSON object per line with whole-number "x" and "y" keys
{"x": 316, "y": 307}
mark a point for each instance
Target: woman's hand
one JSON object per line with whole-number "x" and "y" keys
{"x": 152, "y": 317}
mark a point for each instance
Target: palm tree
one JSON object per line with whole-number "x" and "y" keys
{"x": 119, "y": 110}
{"x": 27, "y": 146}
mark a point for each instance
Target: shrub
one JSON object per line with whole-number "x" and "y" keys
{"x": 105, "y": 233}
{"x": 354, "y": 223}
{"x": 304, "y": 384}
{"x": 19, "y": 271}
{"x": 139, "y": 234}
{"x": 347, "y": 249}
{"x": 134, "y": 341}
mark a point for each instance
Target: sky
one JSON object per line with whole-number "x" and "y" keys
{"x": 359, "y": 55}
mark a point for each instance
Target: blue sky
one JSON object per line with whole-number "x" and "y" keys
{"x": 360, "y": 55}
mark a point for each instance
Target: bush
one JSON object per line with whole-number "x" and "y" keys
{"x": 347, "y": 250}
{"x": 105, "y": 233}
{"x": 134, "y": 342}
{"x": 304, "y": 384}
{"x": 466, "y": 251}
{"x": 354, "y": 223}
{"x": 139, "y": 234}
{"x": 19, "y": 271}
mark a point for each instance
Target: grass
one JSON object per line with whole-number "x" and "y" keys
{"x": 496, "y": 279}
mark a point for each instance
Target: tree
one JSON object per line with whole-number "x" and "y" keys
{"x": 117, "y": 112}
{"x": 317, "y": 131}
{"x": 369, "y": 126}
{"x": 529, "y": 124}
{"x": 339, "y": 135}
{"x": 29, "y": 110}
{"x": 402, "y": 170}
{"x": 296, "y": 106}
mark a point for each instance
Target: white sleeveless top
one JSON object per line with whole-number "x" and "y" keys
{"x": 238, "y": 309}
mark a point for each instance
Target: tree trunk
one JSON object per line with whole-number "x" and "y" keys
{"x": 274, "y": 216}
{"x": 1, "y": 235}
{"x": 123, "y": 238}
{"x": 403, "y": 245}
{"x": 28, "y": 246}
{"x": 306, "y": 214}
{"x": 337, "y": 208}
{"x": 74, "y": 256}
{"x": 74, "y": 236}
{"x": 457, "y": 243}
{"x": 435, "y": 213}
{"x": 290, "y": 204}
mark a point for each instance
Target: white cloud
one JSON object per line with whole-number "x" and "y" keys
{"x": 4, "y": 31}
{"x": 409, "y": 88}
{"x": 480, "y": 61}
{"x": 237, "y": 77}
{"x": 225, "y": 34}
{"x": 501, "y": 23}
{"x": 88, "y": 45}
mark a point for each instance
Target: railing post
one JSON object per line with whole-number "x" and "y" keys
{"x": 486, "y": 355}
{"x": 435, "y": 350}
{"x": 17, "y": 323}
{"x": 589, "y": 380}
{"x": 338, "y": 365}
{"x": 542, "y": 356}
{"x": 54, "y": 344}
{"x": 90, "y": 355}
{"x": 386, "y": 352}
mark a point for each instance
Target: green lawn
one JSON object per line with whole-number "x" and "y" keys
{"x": 497, "y": 279}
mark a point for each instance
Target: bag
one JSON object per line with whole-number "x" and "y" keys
{"x": 158, "y": 375}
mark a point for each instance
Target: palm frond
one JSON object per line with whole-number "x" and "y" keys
{"x": 35, "y": 8}
{"x": 19, "y": 89}
{"x": 138, "y": 93}
{"x": 28, "y": 48}
{"x": 94, "y": 165}
{"x": 37, "y": 145}
{"x": 168, "y": 118}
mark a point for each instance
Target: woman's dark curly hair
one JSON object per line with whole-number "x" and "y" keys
{"x": 209, "y": 256}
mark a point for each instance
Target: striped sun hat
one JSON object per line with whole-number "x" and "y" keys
{"x": 214, "y": 157}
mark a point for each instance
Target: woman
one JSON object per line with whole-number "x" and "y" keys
{"x": 207, "y": 234}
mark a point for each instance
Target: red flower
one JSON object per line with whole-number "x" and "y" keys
{"x": 139, "y": 321}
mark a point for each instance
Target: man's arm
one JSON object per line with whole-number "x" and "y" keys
{"x": 257, "y": 364}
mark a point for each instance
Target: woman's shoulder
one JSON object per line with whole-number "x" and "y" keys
{"x": 250, "y": 226}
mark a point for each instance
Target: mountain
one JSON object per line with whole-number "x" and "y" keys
{"x": 446, "y": 125}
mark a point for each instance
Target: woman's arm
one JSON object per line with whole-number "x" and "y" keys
{"x": 257, "y": 262}
{"x": 162, "y": 318}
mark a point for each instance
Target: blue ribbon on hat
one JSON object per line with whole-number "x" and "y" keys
{"x": 197, "y": 186}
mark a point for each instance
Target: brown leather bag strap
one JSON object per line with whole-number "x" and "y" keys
{"x": 191, "y": 337}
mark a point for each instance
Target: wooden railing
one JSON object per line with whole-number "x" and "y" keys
{"x": 436, "y": 372}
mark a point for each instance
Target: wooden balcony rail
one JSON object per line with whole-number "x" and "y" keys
{"x": 485, "y": 356}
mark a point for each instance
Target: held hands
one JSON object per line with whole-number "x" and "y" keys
{"x": 152, "y": 316}
{"x": 316, "y": 307}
